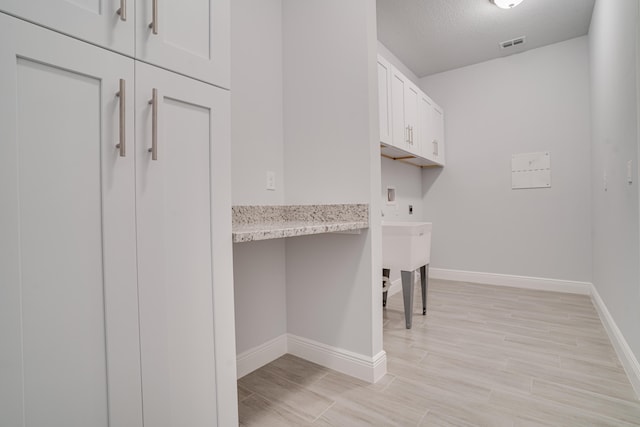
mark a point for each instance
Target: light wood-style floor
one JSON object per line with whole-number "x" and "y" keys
{"x": 483, "y": 356}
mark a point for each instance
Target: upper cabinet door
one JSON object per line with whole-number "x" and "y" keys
{"x": 427, "y": 135}
{"x": 411, "y": 117}
{"x": 188, "y": 37}
{"x": 99, "y": 22}
{"x": 384, "y": 100}
{"x": 68, "y": 291}
{"x": 399, "y": 128}
{"x": 184, "y": 247}
{"x": 438, "y": 129}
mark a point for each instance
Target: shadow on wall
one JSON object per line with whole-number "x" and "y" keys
{"x": 429, "y": 177}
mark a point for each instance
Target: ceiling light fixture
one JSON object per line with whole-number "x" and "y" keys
{"x": 506, "y": 4}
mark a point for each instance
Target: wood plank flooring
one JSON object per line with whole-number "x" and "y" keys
{"x": 483, "y": 356}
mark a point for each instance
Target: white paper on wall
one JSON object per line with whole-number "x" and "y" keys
{"x": 531, "y": 170}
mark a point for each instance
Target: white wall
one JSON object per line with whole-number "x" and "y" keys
{"x": 530, "y": 102}
{"x": 614, "y": 143}
{"x": 389, "y": 56}
{"x": 331, "y": 156}
{"x": 257, "y": 146}
{"x": 407, "y": 181}
{"x": 256, "y": 101}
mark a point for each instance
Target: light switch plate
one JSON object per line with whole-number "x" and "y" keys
{"x": 271, "y": 180}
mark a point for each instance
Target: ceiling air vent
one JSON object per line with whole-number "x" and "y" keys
{"x": 513, "y": 42}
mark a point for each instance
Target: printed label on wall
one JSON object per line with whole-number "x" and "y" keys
{"x": 531, "y": 170}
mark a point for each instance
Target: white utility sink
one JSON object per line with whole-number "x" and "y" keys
{"x": 406, "y": 246}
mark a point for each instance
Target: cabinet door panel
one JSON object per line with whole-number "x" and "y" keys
{"x": 192, "y": 37}
{"x": 398, "y": 105}
{"x": 68, "y": 299}
{"x": 95, "y": 21}
{"x": 426, "y": 128}
{"x": 438, "y": 126}
{"x": 411, "y": 117}
{"x": 384, "y": 106}
{"x": 176, "y": 248}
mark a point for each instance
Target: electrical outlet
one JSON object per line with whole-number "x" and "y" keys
{"x": 271, "y": 180}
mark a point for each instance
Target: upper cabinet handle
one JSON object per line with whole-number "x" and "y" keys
{"x": 154, "y": 125}
{"x": 122, "y": 144}
{"x": 123, "y": 10}
{"x": 154, "y": 19}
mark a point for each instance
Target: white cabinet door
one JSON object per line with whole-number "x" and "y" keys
{"x": 411, "y": 116}
{"x": 384, "y": 100}
{"x": 68, "y": 296}
{"x": 404, "y": 107}
{"x": 189, "y": 37}
{"x": 96, "y": 21}
{"x": 399, "y": 128}
{"x": 184, "y": 246}
{"x": 438, "y": 129}
{"x": 427, "y": 134}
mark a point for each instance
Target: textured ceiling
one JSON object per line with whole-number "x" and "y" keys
{"x": 431, "y": 36}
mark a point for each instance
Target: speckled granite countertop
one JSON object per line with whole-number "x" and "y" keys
{"x": 274, "y": 222}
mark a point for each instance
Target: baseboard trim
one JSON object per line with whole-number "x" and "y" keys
{"x": 626, "y": 356}
{"x": 259, "y": 356}
{"x": 537, "y": 283}
{"x": 369, "y": 369}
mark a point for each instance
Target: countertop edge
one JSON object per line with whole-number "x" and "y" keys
{"x": 271, "y": 231}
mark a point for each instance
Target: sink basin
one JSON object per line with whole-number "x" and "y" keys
{"x": 405, "y": 245}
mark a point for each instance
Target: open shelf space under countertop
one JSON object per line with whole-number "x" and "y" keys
{"x": 277, "y": 221}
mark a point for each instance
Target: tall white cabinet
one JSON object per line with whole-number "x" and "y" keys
{"x": 116, "y": 303}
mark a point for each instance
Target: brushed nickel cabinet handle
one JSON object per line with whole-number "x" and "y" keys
{"x": 122, "y": 144}
{"x": 154, "y": 19}
{"x": 123, "y": 10}
{"x": 154, "y": 125}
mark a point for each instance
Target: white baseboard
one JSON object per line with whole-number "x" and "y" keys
{"x": 369, "y": 369}
{"x": 259, "y": 356}
{"x": 626, "y": 356}
{"x": 537, "y": 283}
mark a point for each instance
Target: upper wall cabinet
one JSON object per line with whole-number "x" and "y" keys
{"x": 188, "y": 37}
{"x": 411, "y": 124}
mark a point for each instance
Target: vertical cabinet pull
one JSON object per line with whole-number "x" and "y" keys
{"x": 123, "y": 10}
{"x": 154, "y": 18}
{"x": 154, "y": 125}
{"x": 435, "y": 147}
{"x": 122, "y": 144}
